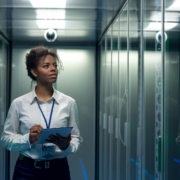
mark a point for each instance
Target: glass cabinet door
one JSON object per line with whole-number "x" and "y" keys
{"x": 151, "y": 94}
{"x": 101, "y": 108}
{"x": 122, "y": 94}
{"x": 133, "y": 117}
{"x": 172, "y": 90}
{"x": 105, "y": 106}
{"x": 3, "y": 101}
{"x": 139, "y": 134}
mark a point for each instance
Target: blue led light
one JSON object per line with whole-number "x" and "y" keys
{"x": 133, "y": 161}
{"x": 149, "y": 175}
{"x": 83, "y": 169}
{"x": 177, "y": 160}
{"x": 144, "y": 171}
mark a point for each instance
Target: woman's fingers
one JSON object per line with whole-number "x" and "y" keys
{"x": 34, "y": 133}
{"x": 59, "y": 136}
{"x": 60, "y": 141}
{"x": 69, "y": 137}
{"x": 36, "y": 128}
{"x": 54, "y": 138}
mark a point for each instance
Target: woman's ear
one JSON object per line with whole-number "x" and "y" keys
{"x": 33, "y": 71}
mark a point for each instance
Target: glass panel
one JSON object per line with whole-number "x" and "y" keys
{"x": 108, "y": 105}
{"x": 114, "y": 126}
{"x": 172, "y": 89}
{"x": 151, "y": 120}
{"x": 122, "y": 93}
{"x": 134, "y": 51}
{"x": 106, "y": 119}
{"x": 110, "y": 101}
{"x": 113, "y": 101}
{"x": 3, "y": 101}
{"x": 102, "y": 108}
{"x": 105, "y": 107}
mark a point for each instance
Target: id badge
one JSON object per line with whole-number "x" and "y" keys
{"x": 48, "y": 150}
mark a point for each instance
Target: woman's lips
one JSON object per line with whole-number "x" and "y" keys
{"x": 53, "y": 76}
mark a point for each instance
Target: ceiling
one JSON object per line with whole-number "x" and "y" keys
{"x": 74, "y": 20}
{"x": 77, "y": 20}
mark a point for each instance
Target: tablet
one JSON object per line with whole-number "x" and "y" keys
{"x": 63, "y": 131}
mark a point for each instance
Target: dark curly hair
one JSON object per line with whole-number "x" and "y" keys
{"x": 35, "y": 54}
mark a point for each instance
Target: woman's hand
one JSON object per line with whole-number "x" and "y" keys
{"x": 59, "y": 141}
{"x": 34, "y": 133}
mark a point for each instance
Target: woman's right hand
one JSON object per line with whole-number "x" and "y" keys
{"x": 34, "y": 133}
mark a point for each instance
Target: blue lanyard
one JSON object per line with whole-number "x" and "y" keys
{"x": 47, "y": 125}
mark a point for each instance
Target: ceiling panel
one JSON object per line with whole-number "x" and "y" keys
{"x": 63, "y": 36}
{"x": 28, "y": 19}
{"x": 69, "y": 14}
{"x": 77, "y": 20}
{"x": 49, "y": 4}
{"x": 57, "y": 24}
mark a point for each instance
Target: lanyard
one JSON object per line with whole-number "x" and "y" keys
{"x": 47, "y": 125}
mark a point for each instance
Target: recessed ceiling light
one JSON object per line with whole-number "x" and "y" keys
{"x": 157, "y": 26}
{"x": 174, "y": 7}
{"x": 48, "y": 3}
{"x": 52, "y": 24}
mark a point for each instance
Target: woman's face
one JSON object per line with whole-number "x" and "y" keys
{"x": 46, "y": 71}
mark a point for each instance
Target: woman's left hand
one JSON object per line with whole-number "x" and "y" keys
{"x": 60, "y": 141}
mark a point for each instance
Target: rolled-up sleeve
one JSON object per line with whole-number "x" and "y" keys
{"x": 10, "y": 139}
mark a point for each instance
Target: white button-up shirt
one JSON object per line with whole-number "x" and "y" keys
{"x": 24, "y": 113}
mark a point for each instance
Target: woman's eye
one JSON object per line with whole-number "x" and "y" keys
{"x": 45, "y": 66}
{"x": 55, "y": 65}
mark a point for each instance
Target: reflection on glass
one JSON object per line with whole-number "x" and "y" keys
{"x": 140, "y": 94}
{"x": 151, "y": 123}
{"x": 123, "y": 57}
{"x": 172, "y": 92}
{"x": 134, "y": 50}
{"x": 3, "y": 100}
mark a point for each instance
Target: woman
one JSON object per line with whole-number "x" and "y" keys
{"x": 44, "y": 107}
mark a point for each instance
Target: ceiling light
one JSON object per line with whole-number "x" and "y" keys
{"x": 48, "y": 3}
{"x": 50, "y": 13}
{"x": 48, "y": 17}
{"x": 51, "y": 24}
{"x": 157, "y": 26}
{"x": 174, "y": 7}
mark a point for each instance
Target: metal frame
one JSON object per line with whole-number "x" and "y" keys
{"x": 97, "y": 108}
{"x": 162, "y": 91}
{"x": 8, "y": 87}
{"x": 128, "y": 167}
{"x": 141, "y": 88}
{"x": 112, "y": 21}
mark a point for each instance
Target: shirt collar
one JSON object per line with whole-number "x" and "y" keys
{"x": 55, "y": 96}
